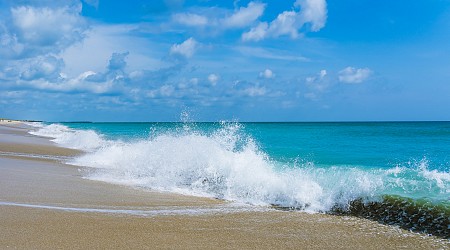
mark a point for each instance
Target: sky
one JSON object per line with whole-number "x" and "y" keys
{"x": 289, "y": 60}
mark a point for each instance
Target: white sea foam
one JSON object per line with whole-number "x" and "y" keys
{"x": 202, "y": 165}
{"x": 442, "y": 179}
{"x": 229, "y": 165}
{"x": 415, "y": 179}
{"x": 87, "y": 140}
{"x": 159, "y": 211}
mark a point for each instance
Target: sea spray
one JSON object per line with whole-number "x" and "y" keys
{"x": 225, "y": 161}
{"x": 222, "y": 165}
{"x": 87, "y": 140}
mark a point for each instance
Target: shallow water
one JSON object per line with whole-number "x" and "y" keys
{"x": 316, "y": 167}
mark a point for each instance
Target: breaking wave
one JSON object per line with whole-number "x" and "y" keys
{"x": 227, "y": 163}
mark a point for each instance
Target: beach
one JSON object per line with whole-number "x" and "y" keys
{"x": 46, "y": 204}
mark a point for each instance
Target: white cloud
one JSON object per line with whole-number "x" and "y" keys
{"x": 313, "y": 12}
{"x": 46, "y": 29}
{"x": 77, "y": 84}
{"x": 117, "y": 61}
{"x": 213, "y": 78}
{"x": 190, "y": 19}
{"x": 245, "y": 16}
{"x": 267, "y": 73}
{"x": 218, "y": 19}
{"x": 284, "y": 24}
{"x": 45, "y": 73}
{"x": 255, "y": 91}
{"x": 353, "y": 75}
{"x": 81, "y": 83}
{"x": 256, "y": 33}
{"x": 48, "y": 67}
{"x": 186, "y": 49}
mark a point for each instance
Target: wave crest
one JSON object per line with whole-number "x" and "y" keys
{"x": 86, "y": 140}
{"x": 227, "y": 163}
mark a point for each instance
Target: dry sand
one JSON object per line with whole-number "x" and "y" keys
{"x": 45, "y": 204}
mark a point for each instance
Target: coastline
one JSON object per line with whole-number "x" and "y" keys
{"x": 47, "y": 204}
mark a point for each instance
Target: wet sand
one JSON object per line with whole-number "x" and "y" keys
{"x": 45, "y": 204}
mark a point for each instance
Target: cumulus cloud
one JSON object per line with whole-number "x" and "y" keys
{"x": 45, "y": 73}
{"x": 48, "y": 67}
{"x": 354, "y": 75}
{"x": 43, "y": 30}
{"x": 37, "y": 36}
{"x": 256, "y": 33}
{"x": 222, "y": 19}
{"x": 245, "y": 15}
{"x": 267, "y": 73}
{"x": 185, "y": 49}
{"x": 78, "y": 84}
{"x": 213, "y": 78}
{"x": 311, "y": 13}
{"x": 117, "y": 61}
{"x": 284, "y": 24}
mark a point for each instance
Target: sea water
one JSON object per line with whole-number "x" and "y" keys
{"x": 314, "y": 167}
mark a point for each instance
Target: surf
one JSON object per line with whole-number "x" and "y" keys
{"x": 224, "y": 161}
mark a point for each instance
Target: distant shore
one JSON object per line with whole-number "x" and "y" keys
{"x": 45, "y": 204}
{"x": 3, "y": 120}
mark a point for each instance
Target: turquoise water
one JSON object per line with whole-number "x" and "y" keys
{"x": 361, "y": 144}
{"x": 312, "y": 166}
{"x": 392, "y": 172}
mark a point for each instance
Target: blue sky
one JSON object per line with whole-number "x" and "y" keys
{"x": 291, "y": 60}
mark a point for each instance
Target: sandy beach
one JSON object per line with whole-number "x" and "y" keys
{"x": 45, "y": 204}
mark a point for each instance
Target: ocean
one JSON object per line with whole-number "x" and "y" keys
{"x": 393, "y": 172}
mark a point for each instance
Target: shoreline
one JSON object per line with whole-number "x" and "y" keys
{"x": 47, "y": 204}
